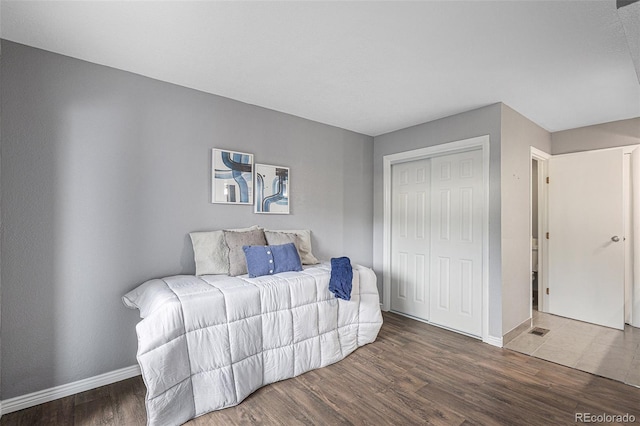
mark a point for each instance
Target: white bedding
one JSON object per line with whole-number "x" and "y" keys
{"x": 206, "y": 343}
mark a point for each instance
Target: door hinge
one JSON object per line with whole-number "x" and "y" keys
{"x": 547, "y": 179}
{"x": 547, "y": 235}
{"x": 547, "y": 290}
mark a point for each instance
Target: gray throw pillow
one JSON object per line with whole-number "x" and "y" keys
{"x": 279, "y": 238}
{"x": 301, "y": 238}
{"x": 235, "y": 242}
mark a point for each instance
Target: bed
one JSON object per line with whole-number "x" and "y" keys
{"x": 207, "y": 342}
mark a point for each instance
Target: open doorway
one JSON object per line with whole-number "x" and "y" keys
{"x": 538, "y": 229}
{"x": 584, "y": 345}
{"x": 630, "y": 236}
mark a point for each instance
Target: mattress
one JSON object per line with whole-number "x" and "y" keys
{"x": 207, "y": 342}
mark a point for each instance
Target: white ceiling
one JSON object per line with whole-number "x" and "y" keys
{"x": 371, "y": 67}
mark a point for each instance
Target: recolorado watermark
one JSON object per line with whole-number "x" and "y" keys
{"x": 604, "y": 418}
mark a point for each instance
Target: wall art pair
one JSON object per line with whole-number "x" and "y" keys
{"x": 235, "y": 179}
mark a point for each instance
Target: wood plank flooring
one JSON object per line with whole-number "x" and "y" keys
{"x": 413, "y": 374}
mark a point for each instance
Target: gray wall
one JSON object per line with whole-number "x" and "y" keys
{"x": 104, "y": 173}
{"x": 599, "y": 136}
{"x": 519, "y": 134}
{"x": 483, "y": 121}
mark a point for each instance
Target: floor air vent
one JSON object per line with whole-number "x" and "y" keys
{"x": 539, "y": 331}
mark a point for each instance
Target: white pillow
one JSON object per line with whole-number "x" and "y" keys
{"x": 302, "y": 242}
{"x": 210, "y": 251}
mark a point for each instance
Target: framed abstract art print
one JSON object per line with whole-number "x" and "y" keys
{"x": 272, "y": 189}
{"x": 231, "y": 177}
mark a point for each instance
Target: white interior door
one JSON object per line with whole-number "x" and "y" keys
{"x": 456, "y": 244}
{"x": 586, "y": 248}
{"x": 410, "y": 238}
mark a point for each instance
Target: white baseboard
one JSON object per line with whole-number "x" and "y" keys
{"x": 494, "y": 341}
{"x": 51, "y": 394}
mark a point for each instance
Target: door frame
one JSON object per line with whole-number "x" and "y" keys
{"x": 630, "y": 244}
{"x": 543, "y": 244}
{"x": 543, "y": 252}
{"x": 479, "y": 142}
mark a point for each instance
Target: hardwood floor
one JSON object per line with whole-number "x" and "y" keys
{"x": 413, "y": 374}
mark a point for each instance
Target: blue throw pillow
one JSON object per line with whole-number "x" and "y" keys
{"x": 269, "y": 260}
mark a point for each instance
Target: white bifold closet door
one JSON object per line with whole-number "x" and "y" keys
{"x": 410, "y": 227}
{"x": 456, "y": 241}
{"x": 436, "y": 240}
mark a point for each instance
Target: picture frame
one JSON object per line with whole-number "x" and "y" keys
{"x": 272, "y": 184}
{"x": 231, "y": 177}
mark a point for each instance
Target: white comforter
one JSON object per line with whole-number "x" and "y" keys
{"x": 206, "y": 343}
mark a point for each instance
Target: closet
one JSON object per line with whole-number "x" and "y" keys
{"x": 436, "y": 239}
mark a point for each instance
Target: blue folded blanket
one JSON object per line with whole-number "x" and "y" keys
{"x": 341, "y": 277}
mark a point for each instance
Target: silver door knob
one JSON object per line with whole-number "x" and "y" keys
{"x": 615, "y": 238}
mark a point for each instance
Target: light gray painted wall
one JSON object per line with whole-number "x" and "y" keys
{"x": 599, "y": 136}
{"x": 104, "y": 173}
{"x": 518, "y": 135}
{"x": 482, "y": 121}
